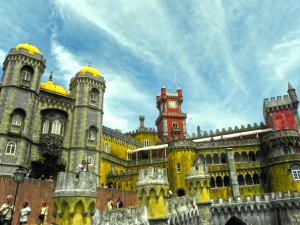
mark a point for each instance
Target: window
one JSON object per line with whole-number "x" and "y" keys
{"x": 178, "y": 168}
{"x": 91, "y": 135}
{"x": 106, "y": 147}
{"x": 17, "y": 119}
{"x": 94, "y": 93}
{"x": 46, "y": 127}
{"x": 26, "y": 73}
{"x": 93, "y": 96}
{"x": 89, "y": 160}
{"x": 146, "y": 143}
{"x": 56, "y": 127}
{"x": 296, "y": 172}
{"x": 11, "y": 147}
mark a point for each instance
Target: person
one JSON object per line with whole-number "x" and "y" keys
{"x": 109, "y": 204}
{"x": 50, "y": 179}
{"x": 119, "y": 204}
{"x": 25, "y": 211}
{"x": 44, "y": 213}
{"x": 43, "y": 177}
{"x": 28, "y": 174}
{"x": 170, "y": 194}
{"x": 6, "y": 210}
{"x": 83, "y": 166}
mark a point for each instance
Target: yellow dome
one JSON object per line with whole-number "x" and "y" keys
{"x": 91, "y": 70}
{"x": 30, "y": 48}
{"x": 49, "y": 86}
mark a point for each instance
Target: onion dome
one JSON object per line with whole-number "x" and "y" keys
{"x": 29, "y": 47}
{"x": 50, "y": 86}
{"x": 91, "y": 70}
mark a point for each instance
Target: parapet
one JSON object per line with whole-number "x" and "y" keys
{"x": 152, "y": 176}
{"x": 231, "y": 130}
{"x": 132, "y": 215}
{"x": 260, "y": 202}
{"x": 117, "y": 134}
{"x": 277, "y": 102}
{"x": 82, "y": 184}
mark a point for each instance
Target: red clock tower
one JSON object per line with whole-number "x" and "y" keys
{"x": 171, "y": 121}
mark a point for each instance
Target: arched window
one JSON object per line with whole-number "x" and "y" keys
{"x": 237, "y": 157}
{"x": 256, "y": 178}
{"x": 296, "y": 172}
{"x": 223, "y": 158}
{"x": 92, "y": 133}
{"x": 208, "y": 159}
{"x": 46, "y": 126}
{"x": 212, "y": 182}
{"x": 94, "y": 95}
{"x": 216, "y": 158}
{"x": 17, "y": 119}
{"x": 241, "y": 180}
{"x": 219, "y": 181}
{"x": 201, "y": 159}
{"x": 252, "y": 156}
{"x": 106, "y": 147}
{"x": 226, "y": 181}
{"x": 11, "y": 147}
{"x": 26, "y": 73}
{"x": 56, "y": 127}
{"x": 245, "y": 157}
{"x": 248, "y": 179}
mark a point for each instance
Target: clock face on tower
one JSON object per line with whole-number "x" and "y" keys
{"x": 172, "y": 104}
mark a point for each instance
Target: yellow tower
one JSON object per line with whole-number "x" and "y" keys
{"x": 181, "y": 156}
{"x": 152, "y": 191}
{"x": 75, "y": 198}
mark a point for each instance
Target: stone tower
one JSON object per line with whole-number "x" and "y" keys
{"x": 152, "y": 191}
{"x": 87, "y": 87}
{"x": 280, "y": 146}
{"x": 75, "y": 198}
{"x": 198, "y": 183}
{"x": 22, "y": 72}
{"x": 181, "y": 155}
{"x": 281, "y": 112}
{"x": 171, "y": 122}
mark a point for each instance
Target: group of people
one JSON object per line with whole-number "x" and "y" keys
{"x": 7, "y": 210}
{"x": 110, "y": 204}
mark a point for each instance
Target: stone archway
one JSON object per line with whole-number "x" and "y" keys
{"x": 235, "y": 221}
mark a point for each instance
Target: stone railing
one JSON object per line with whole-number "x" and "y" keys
{"x": 76, "y": 184}
{"x": 125, "y": 216}
{"x": 114, "y": 159}
{"x": 147, "y": 161}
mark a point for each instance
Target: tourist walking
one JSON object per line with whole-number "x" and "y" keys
{"x": 24, "y": 212}
{"x": 6, "y": 211}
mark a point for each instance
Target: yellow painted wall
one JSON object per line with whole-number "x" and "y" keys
{"x": 186, "y": 159}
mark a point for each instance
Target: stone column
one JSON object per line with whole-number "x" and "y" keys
{"x": 233, "y": 176}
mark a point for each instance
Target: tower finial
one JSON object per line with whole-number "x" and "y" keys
{"x": 50, "y": 77}
{"x": 30, "y": 42}
{"x": 89, "y": 64}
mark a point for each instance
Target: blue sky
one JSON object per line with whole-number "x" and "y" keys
{"x": 227, "y": 56}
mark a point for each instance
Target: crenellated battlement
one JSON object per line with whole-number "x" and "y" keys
{"x": 143, "y": 129}
{"x": 152, "y": 176}
{"x": 117, "y": 134}
{"x": 76, "y": 184}
{"x": 277, "y": 102}
{"x": 260, "y": 202}
{"x": 230, "y": 130}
